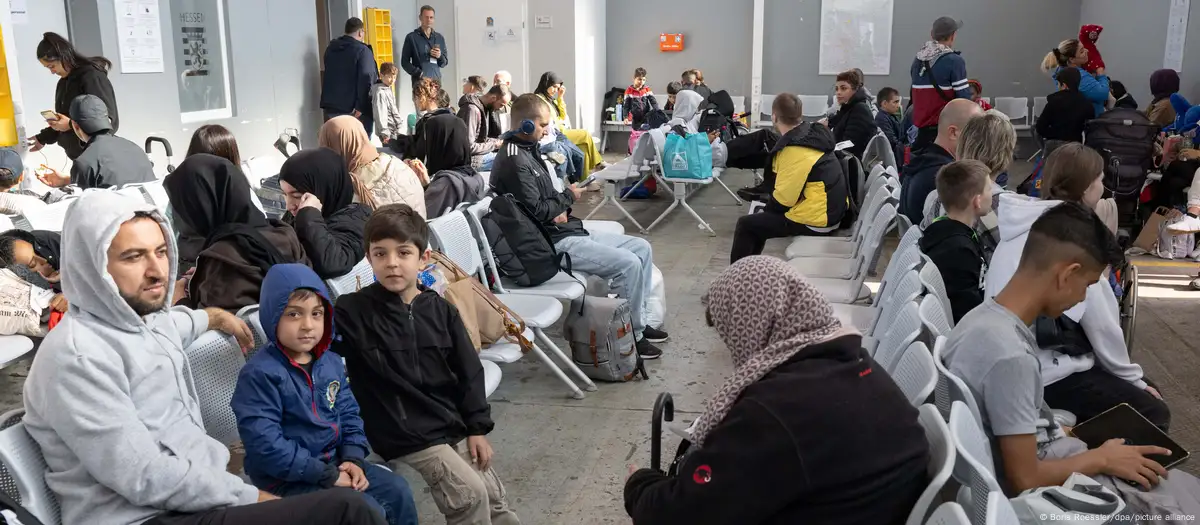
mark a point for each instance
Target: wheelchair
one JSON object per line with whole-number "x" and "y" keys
{"x": 1127, "y": 275}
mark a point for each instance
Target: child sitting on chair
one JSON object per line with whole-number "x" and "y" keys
{"x": 418, "y": 376}
{"x": 965, "y": 191}
{"x": 296, "y": 415}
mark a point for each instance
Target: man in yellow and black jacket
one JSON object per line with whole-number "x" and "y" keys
{"x": 810, "y": 191}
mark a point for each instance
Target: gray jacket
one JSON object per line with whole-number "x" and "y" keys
{"x": 111, "y": 161}
{"x": 388, "y": 123}
{"x": 107, "y": 399}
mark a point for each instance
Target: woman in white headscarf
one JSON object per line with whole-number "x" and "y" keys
{"x": 687, "y": 113}
{"x": 807, "y": 429}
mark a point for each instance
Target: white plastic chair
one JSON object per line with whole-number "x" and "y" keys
{"x": 1000, "y": 510}
{"x": 49, "y": 218}
{"x": 562, "y": 286}
{"x": 361, "y": 276}
{"x": 213, "y": 363}
{"x": 915, "y": 374}
{"x": 880, "y": 192}
{"x": 905, "y": 329}
{"x": 950, "y": 388}
{"x": 868, "y": 319}
{"x": 1017, "y": 109}
{"x": 973, "y": 467}
{"x": 1039, "y": 105}
{"x": 860, "y": 264}
{"x": 681, "y": 189}
{"x": 846, "y": 291}
{"x": 249, "y": 314}
{"x": 948, "y": 513}
{"x": 764, "y": 111}
{"x": 6, "y": 223}
{"x": 23, "y": 477}
{"x": 14, "y": 348}
{"x": 941, "y": 461}
{"x": 905, "y": 260}
{"x": 814, "y": 106}
{"x": 458, "y": 241}
{"x": 931, "y": 277}
{"x": 936, "y": 322}
{"x": 739, "y": 104}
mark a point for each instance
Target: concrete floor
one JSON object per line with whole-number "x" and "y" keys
{"x": 564, "y": 461}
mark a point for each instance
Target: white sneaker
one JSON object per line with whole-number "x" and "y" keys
{"x": 1188, "y": 224}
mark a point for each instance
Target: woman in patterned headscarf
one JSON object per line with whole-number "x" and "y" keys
{"x": 807, "y": 429}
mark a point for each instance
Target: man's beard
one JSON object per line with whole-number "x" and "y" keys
{"x": 142, "y": 307}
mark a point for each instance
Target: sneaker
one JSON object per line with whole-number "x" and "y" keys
{"x": 1196, "y": 284}
{"x": 753, "y": 193}
{"x": 647, "y": 350}
{"x": 1188, "y": 224}
{"x": 655, "y": 335}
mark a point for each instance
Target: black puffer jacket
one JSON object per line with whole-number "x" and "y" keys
{"x": 87, "y": 79}
{"x": 416, "y": 375}
{"x": 855, "y": 122}
{"x": 333, "y": 244}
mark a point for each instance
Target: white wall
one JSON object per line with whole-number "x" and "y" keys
{"x": 591, "y": 63}
{"x": 36, "y": 84}
{"x": 1133, "y": 40}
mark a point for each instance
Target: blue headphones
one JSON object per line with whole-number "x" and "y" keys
{"x": 527, "y": 127}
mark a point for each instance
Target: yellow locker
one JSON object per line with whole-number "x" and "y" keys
{"x": 379, "y": 33}
{"x": 8, "y": 119}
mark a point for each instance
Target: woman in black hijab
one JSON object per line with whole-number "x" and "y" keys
{"x": 321, "y": 207}
{"x": 211, "y": 197}
{"x": 450, "y": 144}
{"x": 453, "y": 180}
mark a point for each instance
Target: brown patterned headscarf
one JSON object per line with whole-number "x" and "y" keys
{"x": 766, "y": 313}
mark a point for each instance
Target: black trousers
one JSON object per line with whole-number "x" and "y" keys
{"x": 753, "y": 231}
{"x": 925, "y": 137}
{"x": 337, "y": 506}
{"x": 752, "y": 150}
{"x": 1088, "y": 394}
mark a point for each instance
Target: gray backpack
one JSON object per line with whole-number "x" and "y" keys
{"x": 600, "y": 332}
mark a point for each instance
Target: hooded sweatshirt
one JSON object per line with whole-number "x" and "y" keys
{"x": 297, "y": 425}
{"x": 350, "y": 71}
{"x": 810, "y": 186}
{"x": 955, "y": 248}
{"x": 108, "y": 399}
{"x": 939, "y": 75}
{"x": 920, "y": 179}
{"x": 1097, "y": 314}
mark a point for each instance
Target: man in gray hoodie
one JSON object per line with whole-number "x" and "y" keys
{"x": 108, "y": 399}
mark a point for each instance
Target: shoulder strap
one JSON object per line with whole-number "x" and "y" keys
{"x": 929, "y": 75}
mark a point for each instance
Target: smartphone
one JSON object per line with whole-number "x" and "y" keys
{"x": 49, "y": 115}
{"x": 586, "y": 181}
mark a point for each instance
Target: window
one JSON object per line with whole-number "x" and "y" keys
{"x": 201, "y": 59}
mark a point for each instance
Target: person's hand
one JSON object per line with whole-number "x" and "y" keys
{"x": 62, "y": 123}
{"x": 824, "y": 122}
{"x": 712, "y": 136}
{"x": 357, "y": 113}
{"x": 358, "y": 478}
{"x": 223, "y": 321}
{"x": 1154, "y": 392}
{"x": 435, "y": 52}
{"x": 266, "y": 496}
{"x": 343, "y": 480}
{"x": 632, "y": 468}
{"x": 51, "y": 177}
{"x": 561, "y": 218}
{"x": 481, "y": 451}
{"x": 310, "y": 201}
{"x": 1189, "y": 154}
{"x": 385, "y": 140}
{"x": 59, "y": 303}
{"x": 1130, "y": 462}
{"x": 575, "y": 190}
{"x": 35, "y": 145}
{"x": 419, "y": 168}
{"x": 1099, "y": 71}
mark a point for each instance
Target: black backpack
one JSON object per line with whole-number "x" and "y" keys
{"x": 1125, "y": 138}
{"x": 656, "y": 119}
{"x": 521, "y": 245}
{"x": 638, "y": 108}
{"x": 722, "y": 102}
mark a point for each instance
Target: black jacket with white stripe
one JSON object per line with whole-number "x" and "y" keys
{"x": 519, "y": 171}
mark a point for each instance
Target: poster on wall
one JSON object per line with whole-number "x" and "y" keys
{"x": 1177, "y": 22}
{"x": 20, "y": 11}
{"x": 856, "y": 33}
{"x": 139, "y": 37}
{"x": 198, "y": 27}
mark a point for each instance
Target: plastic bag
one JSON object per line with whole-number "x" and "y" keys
{"x": 655, "y": 312}
{"x": 21, "y": 306}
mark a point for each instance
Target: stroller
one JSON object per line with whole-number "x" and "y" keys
{"x": 1125, "y": 138}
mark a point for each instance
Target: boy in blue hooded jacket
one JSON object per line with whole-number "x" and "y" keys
{"x": 296, "y": 415}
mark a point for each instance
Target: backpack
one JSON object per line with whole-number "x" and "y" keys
{"x": 638, "y": 108}
{"x": 851, "y": 172}
{"x": 611, "y": 99}
{"x": 486, "y": 318}
{"x": 521, "y": 245}
{"x": 1125, "y": 138}
{"x": 656, "y": 119}
{"x": 722, "y": 102}
{"x": 600, "y": 332}
{"x": 12, "y": 513}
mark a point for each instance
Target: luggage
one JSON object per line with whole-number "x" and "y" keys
{"x": 487, "y": 319}
{"x": 600, "y": 332}
{"x": 687, "y": 156}
{"x": 722, "y": 103}
{"x": 1125, "y": 138}
{"x": 521, "y": 245}
{"x": 21, "y": 306}
{"x": 1077, "y": 501}
{"x": 655, "y": 312}
{"x": 1174, "y": 246}
{"x": 638, "y": 107}
{"x": 611, "y": 100}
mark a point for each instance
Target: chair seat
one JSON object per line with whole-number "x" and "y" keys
{"x": 538, "y": 311}
{"x": 13, "y": 347}
{"x": 691, "y": 181}
{"x": 854, "y": 315}
{"x": 491, "y": 377}
{"x": 804, "y": 246}
{"x": 826, "y": 267}
{"x": 561, "y": 286}
{"x": 604, "y": 226}
{"x": 505, "y": 352}
{"x": 840, "y": 290}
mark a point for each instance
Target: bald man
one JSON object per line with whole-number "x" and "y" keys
{"x": 920, "y": 176}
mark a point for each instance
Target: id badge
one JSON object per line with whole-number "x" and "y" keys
{"x": 432, "y": 60}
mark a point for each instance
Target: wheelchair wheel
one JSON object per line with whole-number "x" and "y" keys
{"x": 1129, "y": 304}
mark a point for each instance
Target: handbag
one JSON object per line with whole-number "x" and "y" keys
{"x": 487, "y": 320}
{"x": 1077, "y": 501}
{"x": 687, "y": 156}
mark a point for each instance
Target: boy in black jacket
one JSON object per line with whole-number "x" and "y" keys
{"x": 1066, "y": 111}
{"x": 950, "y": 242}
{"x": 417, "y": 377}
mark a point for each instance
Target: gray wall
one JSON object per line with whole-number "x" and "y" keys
{"x": 1133, "y": 40}
{"x": 1002, "y": 42}
{"x": 716, "y": 41}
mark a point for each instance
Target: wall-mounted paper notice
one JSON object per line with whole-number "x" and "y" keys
{"x": 1177, "y": 23}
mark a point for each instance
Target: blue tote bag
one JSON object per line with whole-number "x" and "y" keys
{"x": 687, "y": 156}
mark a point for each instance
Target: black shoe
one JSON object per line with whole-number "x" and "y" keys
{"x": 655, "y": 335}
{"x": 647, "y": 350}
{"x": 753, "y": 194}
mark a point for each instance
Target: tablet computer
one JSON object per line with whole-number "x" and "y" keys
{"x": 1123, "y": 422}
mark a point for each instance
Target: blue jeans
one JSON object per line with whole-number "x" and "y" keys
{"x": 574, "y": 166}
{"x": 387, "y": 492}
{"x": 485, "y": 163}
{"x": 626, "y": 261}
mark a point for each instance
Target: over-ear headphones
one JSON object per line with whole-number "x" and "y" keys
{"x": 527, "y": 127}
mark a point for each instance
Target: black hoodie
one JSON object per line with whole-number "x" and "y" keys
{"x": 86, "y": 79}
{"x": 811, "y": 188}
{"x": 350, "y": 71}
{"x": 416, "y": 375}
{"x": 855, "y": 122}
{"x": 920, "y": 179}
{"x": 955, "y": 249}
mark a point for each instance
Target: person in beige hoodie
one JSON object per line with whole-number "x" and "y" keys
{"x": 379, "y": 178}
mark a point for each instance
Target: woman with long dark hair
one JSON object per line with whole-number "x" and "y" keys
{"x": 80, "y": 75}
{"x": 215, "y": 139}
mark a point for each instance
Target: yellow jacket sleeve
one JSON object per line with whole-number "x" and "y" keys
{"x": 792, "y": 166}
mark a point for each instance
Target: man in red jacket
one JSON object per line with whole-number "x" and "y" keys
{"x": 939, "y": 75}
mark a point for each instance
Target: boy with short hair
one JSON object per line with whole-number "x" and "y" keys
{"x": 993, "y": 350}
{"x": 13, "y": 200}
{"x": 887, "y": 119}
{"x": 965, "y": 191}
{"x": 417, "y": 375}
{"x": 639, "y": 99}
{"x": 296, "y": 415}
{"x": 388, "y": 121}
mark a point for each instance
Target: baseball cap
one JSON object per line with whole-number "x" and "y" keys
{"x": 945, "y": 27}
{"x": 11, "y": 161}
{"x": 90, "y": 113}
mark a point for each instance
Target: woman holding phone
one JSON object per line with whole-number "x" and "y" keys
{"x": 80, "y": 75}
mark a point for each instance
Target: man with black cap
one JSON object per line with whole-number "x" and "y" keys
{"x": 107, "y": 160}
{"x": 939, "y": 75}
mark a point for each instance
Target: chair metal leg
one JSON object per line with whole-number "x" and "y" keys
{"x": 610, "y": 195}
{"x": 731, "y": 192}
{"x": 587, "y": 381}
{"x": 575, "y": 391}
{"x": 603, "y": 140}
{"x": 1035, "y": 154}
{"x": 681, "y": 194}
{"x": 703, "y": 225}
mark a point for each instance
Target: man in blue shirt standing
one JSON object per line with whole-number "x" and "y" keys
{"x": 424, "y": 54}
{"x": 350, "y": 71}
